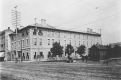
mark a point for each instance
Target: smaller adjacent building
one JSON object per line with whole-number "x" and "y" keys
{"x": 5, "y": 43}
{"x": 98, "y": 52}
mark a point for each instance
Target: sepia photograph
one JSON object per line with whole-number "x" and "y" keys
{"x": 60, "y": 39}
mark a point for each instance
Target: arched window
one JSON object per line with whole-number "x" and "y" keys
{"x": 41, "y": 55}
{"x": 23, "y": 56}
{"x": 40, "y": 33}
{"x": 27, "y": 56}
{"x": 34, "y": 32}
{"x": 35, "y": 55}
{"x": 49, "y": 54}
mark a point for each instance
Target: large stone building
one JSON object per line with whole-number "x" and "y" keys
{"x": 32, "y": 43}
{"x": 5, "y": 43}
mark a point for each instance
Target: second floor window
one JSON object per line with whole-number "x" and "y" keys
{"x": 70, "y": 41}
{"x": 79, "y": 43}
{"x": 26, "y": 42}
{"x": 23, "y": 43}
{"x": 48, "y": 41}
{"x": 40, "y": 41}
{"x": 35, "y": 41}
{"x": 52, "y": 41}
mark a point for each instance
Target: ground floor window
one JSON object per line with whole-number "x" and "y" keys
{"x": 19, "y": 55}
{"x": 27, "y": 55}
{"x": 12, "y": 56}
{"x": 49, "y": 54}
{"x": 41, "y": 55}
{"x": 35, "y": 55}
{"x": 23, "y": 56}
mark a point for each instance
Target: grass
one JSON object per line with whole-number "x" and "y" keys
{"x": 61, "y": 71}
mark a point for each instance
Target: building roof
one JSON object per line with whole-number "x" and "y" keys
{"x": 100, "y": 46}
{"x": 3, "y": 32}
{"x": 39, "y": 26}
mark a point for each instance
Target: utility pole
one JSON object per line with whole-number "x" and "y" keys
{"x": 15, "y": 22}
{"x": 36, "y": 39}
{"x": 101, "y": 34}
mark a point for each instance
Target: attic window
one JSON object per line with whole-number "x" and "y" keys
{"x": 26, "y": 32}
{"x": 12, "y": 37}
{"x": 40, "y": 33}
{"x": 22, "y": 34}
{"x": 34, "y": 32}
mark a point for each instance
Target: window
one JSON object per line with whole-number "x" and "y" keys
{"x": 35, "y": 55}
{"x": 26, "y": 32}
{"x": 40, "y": 41}
{"x": 35, "y": 41}
{"x": 70, "y": 41}
{"x": 52, "y": 33}
{"x": 19, "y": 44}
{"x": 48, "y": 41}
{"x": 27, "y": 55}
{"x": 15, "y": 45}
{"x": 52, "y": 41}
{"x": 34, "y": 32}
{"x": 23, "y": 56}
{"x": 23, "y": 43}
{"x": 49, "y": 54}
{"x": 83, "y": 42}
{"x": 87, "y": 43}
{"x": 75, "y": 42}
{"x": 74, "y": 36}
{"x": 65, "y": 42}
{"x": 59, "y": 34}
{"x": 79, "y": 43}
{"x": 70, "y": 35}
{"x": 91, "y": 43}
{"x": 11, "y": 45}
{"x": 40, "y": 33}
{"x": 59, "y": 41}
{"x": 83, "y": 36}
{"x": 22, "y": 34}
{"x": 41, "y": 55}
{"x": 26, "y": 42}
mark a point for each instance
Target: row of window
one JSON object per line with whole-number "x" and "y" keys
{"x": 23, "y": 42}
{"x": 75, "y": 42}
{"x": 35, "y": 41}
{"x": 38, "y": 56}
{"x": 64, "y": 34}
{"x": 65, "y": 42}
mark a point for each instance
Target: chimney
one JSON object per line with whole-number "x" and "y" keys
{"x": 88, "y": 30}
{"x": 9, "y": 28}
{"x": 43, "y": 22}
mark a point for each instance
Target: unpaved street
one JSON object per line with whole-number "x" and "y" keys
{"x": 60, "y": 71}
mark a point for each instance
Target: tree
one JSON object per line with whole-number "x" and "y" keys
{"x": 57, "y": 49}
{"x": 116, "y": 51}
{"x": 109, "y": 52}
{"x": 69, "y": 50}
{"x": 81, "y": 50}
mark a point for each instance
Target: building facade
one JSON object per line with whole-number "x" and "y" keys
{"x": 5, "y": 43}
{"x": 98, "y": 52}
{"x": 36, "y": 40}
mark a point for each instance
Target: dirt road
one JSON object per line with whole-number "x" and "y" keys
{"x": 60, "y": 71}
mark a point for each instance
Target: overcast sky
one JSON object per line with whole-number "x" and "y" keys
{"x": 75, "y": 15}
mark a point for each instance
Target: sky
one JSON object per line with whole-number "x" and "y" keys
{"x": 76, "y": 15}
